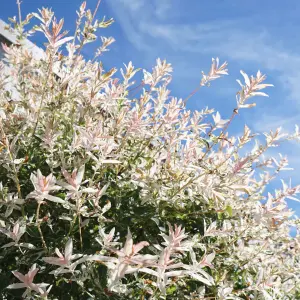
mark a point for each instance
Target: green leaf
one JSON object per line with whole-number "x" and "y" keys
{"x": 105, "y": 24}
{"x": 229, "y": 210}
{"x": 205, "y": 142}
{"x": 171, "y": 290}
{"x": 109, "y": 73}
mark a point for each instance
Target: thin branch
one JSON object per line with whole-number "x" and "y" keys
{"x": 14, "y": 169}
{"x": 38, "y": 223}
{"x": 96, "y": 9}
{"x": 89, "y": 24}
{"x": 80, "y": 233}
{"x": 19, "y": 11}
{"x": 191, "y": 94}
{"x": 43, "y": 96}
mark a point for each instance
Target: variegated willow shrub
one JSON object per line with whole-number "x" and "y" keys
{"x": 107, "y": 194}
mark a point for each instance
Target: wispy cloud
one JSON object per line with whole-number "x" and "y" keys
{"x": 267, "y": 122}
{"x": 153, "y": 27}
{"x": 237, "y": 40}
{"x": 162, "y": 8}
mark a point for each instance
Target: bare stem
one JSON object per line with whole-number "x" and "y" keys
{"x": 192, "y": 94}
{"x": 43, "y": 96}
{"x": 15, "y": 172}
{"x": 89, "y": 23}
{"x": 96, "y": 9}
{"x": 80, "y": 233}
{"x": 72, "y": 225}
{"x": 38, "y": 224}
{"x": 19, "y": 11}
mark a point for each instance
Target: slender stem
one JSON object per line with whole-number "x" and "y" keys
{"x": 234, "y": 113}
{"x": 80, "y": 233}
{"x": 72, "y": 225}
{"x": 19, "y": 11}
{"x": 38, "y": 223}
{"x": 43, "y": 96}
{"x": 15, "y": 172}
{"x": 89, "y": 23}
{"x": 96, "y": 9}
{"x": 192, "y": 94}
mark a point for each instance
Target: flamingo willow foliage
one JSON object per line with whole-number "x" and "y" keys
{"x": 148, "y": 199}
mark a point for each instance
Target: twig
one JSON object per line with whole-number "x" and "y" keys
{"x": 39, "y": 226}
{"x": 96, "y": 9}
{"x": 191, "y": 94}
{"x": 80, "y": 233}
{"x": 43, "y": 96}
{"x": 72, "y": 225}
{"x": 15, "y": 172}
{"x": 19, "y": 11}
{"x": 89, "y": 23}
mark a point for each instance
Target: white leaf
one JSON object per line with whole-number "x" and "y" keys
{"x": 63, "y": 41}
{"x": 54, "y": 199}
{"x": 247, "y": 81}
{"x": 17, "y": 286}
{"x": 89, "y": 190}
{"x": 110, "y": 161}
{"x": 8, "y": 245}
{"x": 27, "y": 245}
{"x": 80, "y": 174}
{"x": 200, "y": 278}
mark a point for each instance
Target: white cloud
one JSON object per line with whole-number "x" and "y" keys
{"x": 150, "y": 28}
{"x": 266, "y": 122}
{"x": 236, "y": 45}
{"x": 228, "y": 39}
{"x": 132, "y": 5}
{"x": 162, "y": 8}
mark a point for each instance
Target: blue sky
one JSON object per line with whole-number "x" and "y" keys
{"x": 250, "y": 35}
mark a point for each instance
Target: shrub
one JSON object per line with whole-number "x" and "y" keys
{"x": 107, "y": 194}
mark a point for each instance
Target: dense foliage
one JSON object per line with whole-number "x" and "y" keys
{"x": 110, "y": 193}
